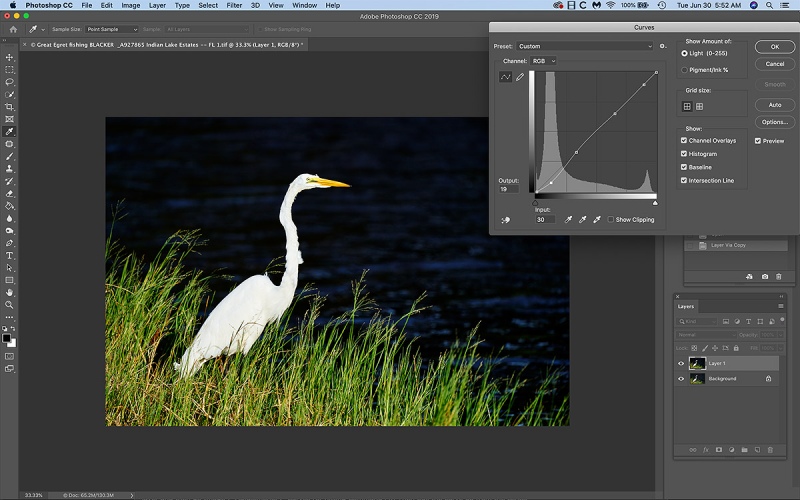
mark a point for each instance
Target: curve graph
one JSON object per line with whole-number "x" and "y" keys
{"x": 594, "y": 134}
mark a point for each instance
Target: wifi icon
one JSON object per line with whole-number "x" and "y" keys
{"x": 610, "y": 4}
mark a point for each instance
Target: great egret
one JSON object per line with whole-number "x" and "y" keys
{"x": 237, "y": 322}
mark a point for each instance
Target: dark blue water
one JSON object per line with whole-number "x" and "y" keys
{"x": 416, "y": 218}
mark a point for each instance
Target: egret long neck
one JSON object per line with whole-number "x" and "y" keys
{"x": 289, "y": 279}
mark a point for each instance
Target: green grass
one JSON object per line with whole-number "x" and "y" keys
{"x": 341, "y": 372}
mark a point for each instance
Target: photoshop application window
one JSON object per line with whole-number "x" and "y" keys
{"x": 381, "y": 249}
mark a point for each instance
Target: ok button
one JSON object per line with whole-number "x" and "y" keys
{"x": 775, "y": 46}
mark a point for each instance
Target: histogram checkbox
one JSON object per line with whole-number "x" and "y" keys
{"x": 684, "y": 153}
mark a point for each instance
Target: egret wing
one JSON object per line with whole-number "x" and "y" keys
{"x": 234, "y": 325}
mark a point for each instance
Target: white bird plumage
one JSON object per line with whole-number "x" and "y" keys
{"x": 240, "y": 318}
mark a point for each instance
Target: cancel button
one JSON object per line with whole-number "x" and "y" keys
{"x": 775, "y": 64}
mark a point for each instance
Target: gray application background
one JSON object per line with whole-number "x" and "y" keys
{"x": 70, "y": 421}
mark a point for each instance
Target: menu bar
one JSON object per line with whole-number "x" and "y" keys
{"x": 407, "y": 6}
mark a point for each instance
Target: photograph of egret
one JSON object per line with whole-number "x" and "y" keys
{"x": 323, "y": 272}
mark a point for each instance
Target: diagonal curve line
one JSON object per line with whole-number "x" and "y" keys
{"x": 549, "y": 182}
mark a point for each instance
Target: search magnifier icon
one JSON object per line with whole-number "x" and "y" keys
{"x": 682, "y": 322}
{"x": 9, "y": 304}
{"x": 769, "y": 5}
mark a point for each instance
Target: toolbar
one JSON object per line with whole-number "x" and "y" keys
{"x": 9, "y": 227}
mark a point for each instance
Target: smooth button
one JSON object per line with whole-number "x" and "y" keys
{"x": 778, "y": 104}
{"x": 775, "y": 46}
{"x": 775, "y": 84}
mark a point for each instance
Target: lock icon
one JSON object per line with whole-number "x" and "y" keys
{"x": 736, "y": 348}
{"x": 768, "y": 378}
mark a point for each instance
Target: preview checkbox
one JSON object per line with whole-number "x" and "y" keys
{"x": 758, "y": 140}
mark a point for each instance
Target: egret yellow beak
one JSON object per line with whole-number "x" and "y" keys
{"x": 330, "y": 183}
